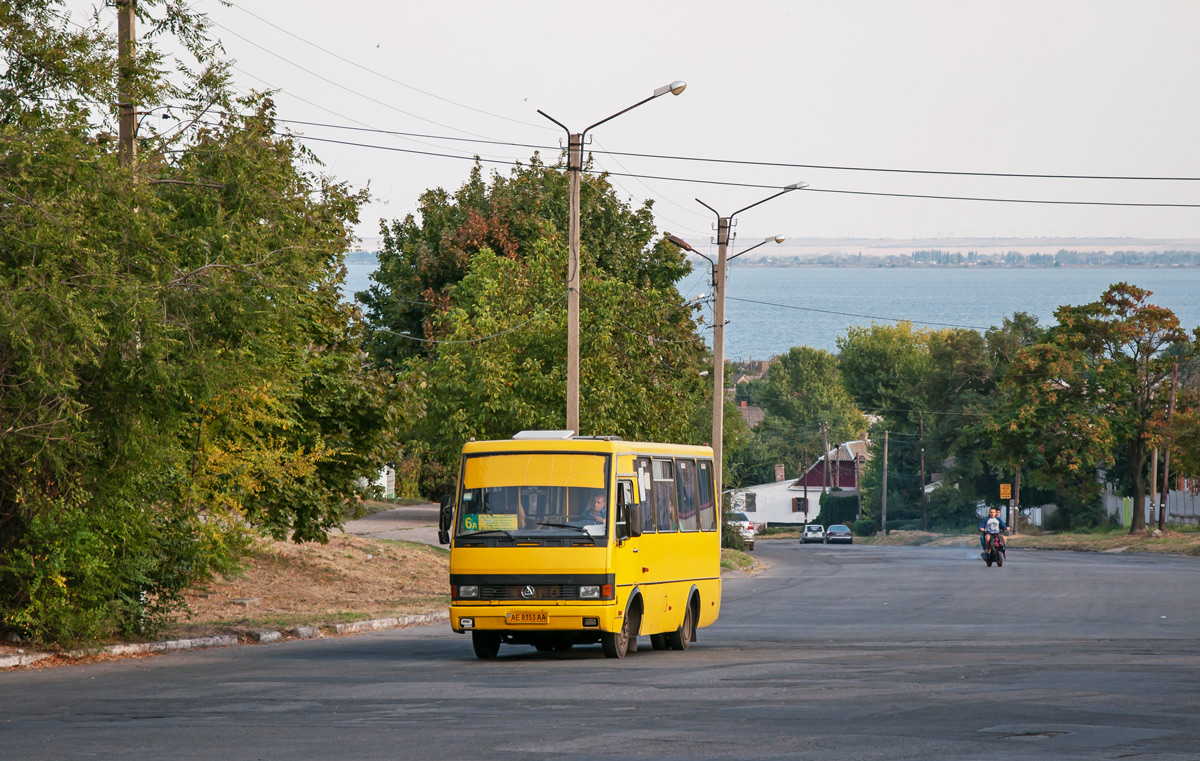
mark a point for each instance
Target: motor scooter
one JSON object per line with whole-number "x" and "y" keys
{"x": 995, "y": 551}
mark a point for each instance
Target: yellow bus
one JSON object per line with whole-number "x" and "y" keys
{"x": 559, "y": 540}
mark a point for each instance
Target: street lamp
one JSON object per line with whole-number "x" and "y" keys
{"x": 718, "y": 282}
{"x": 575, "y": 167}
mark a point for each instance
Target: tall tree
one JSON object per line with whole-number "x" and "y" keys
{"x": 165, "y": 332}
{"x": 469, "y": 303}
{"x": 1094, "y": 388}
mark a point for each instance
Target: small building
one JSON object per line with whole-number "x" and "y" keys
{"x": 797, "y": 502}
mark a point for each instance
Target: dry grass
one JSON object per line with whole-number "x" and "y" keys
{"x": 351, "y": 578}
{"x": 1174, "y": 542}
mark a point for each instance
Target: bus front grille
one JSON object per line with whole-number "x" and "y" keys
{"x": 529, "y": 592}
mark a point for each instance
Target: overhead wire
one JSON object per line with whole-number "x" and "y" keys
{"x": 544, "y": 311}
{"x": 385, "y": 76}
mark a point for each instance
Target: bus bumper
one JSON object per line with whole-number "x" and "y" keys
{"x": 603, "y": 617}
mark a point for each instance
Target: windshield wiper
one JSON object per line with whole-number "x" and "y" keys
{"x": 488, "y": 531}
{"x": 581, "y": 529}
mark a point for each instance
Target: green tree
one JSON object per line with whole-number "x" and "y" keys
{"x": 175, "y": 364}
{"x": 801, "y": 392}
{"x": 886, "y": 369}
{"x": 1093, "y": 390}
{"x": 487, "y": 267}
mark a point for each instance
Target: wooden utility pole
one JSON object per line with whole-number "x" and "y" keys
{"x": 825, "y": 459}
{"x": 125, "y": 72}
{"x": 883, "y": 512}
{"x": 1016, "y": 513}
{"x": 858, "y": 484}
{"x": 924, "y": 503}
{"x": 1154, "y": 481}
{"x": 1166, "y": 482}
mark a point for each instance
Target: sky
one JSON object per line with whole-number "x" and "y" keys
{"x": 1087, "y": 87}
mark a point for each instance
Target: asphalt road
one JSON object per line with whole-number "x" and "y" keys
{"x": 833, "y": 653}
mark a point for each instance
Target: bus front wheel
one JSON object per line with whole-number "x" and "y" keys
{"x": 616, "y": 644}
{"x": 486, "y": 644}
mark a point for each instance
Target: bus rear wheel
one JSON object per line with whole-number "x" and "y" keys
{"x": 486, "y": 644}
{"x": 681, "y": 638}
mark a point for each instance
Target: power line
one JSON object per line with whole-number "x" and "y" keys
{"x": 940, "y": 172}
{"x": 854, "y": 314}
{"x": 481, "y": 339}
{"x": 776, "y": 187}
{"x": 386, "y": 77}
{"x": 327, "y": 80}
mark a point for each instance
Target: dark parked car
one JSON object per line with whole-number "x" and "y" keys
{"x": 838, "y": 533}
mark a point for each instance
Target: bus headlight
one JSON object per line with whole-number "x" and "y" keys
{"x": 589, "y": 592}
{"x": 468, "y": 591}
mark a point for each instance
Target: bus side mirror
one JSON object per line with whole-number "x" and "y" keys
{"x": 445, "y": 519}
{"x": 635, "y": 519}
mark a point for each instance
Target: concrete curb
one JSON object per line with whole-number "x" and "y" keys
{"x": 229, "y": 640}
{"x": 14, "y": 661}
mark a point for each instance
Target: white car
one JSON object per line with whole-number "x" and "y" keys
{"x": 813, "y": 532}
{"x": 747, "y": 528}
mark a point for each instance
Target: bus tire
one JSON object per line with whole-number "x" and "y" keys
{"x": 616, "y": 644}
{"x": 633, "y": 619}
{"x": 681, "y": 638}
{"x": 486, "y": 644}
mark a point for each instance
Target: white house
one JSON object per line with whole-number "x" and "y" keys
{"x": 795, "y": 502}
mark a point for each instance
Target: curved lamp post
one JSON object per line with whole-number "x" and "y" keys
{"x": 718, "y": 282}
{"x": 575, "y": 168}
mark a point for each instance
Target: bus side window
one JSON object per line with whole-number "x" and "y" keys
{"x": 628, "y": 517}
{"x": 642, "y": 466}
{"x": 685, "y": 486}
{"x": 664, "y": 495}
{"x": 704, "y": 495}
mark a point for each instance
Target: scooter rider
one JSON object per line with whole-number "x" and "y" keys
{"x": 990, "y": 527}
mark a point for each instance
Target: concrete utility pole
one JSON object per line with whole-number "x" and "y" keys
{"x": 724, "y": 228}
{"x": 883, "y": 512}
{"x": 575, "y": 169}
{"x": 125, "y": 69}
{"x": 1166, "y": 482}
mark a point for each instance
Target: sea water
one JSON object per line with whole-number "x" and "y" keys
{"x": 768, "y": 310}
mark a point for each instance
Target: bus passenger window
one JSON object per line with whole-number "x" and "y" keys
{"x": 642, "y": 466}
{"x": 664, "y": 495}
{"x": 704, "y": 494}
{"x": 685, "y": 486}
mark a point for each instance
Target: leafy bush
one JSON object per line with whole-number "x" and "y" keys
{"x": 865, "y": 527}
{"x": 837, "y": 508}
{"x": 951, "y": 509}
{"x": 77, "y": 573}
{"x": 731, "y": 534}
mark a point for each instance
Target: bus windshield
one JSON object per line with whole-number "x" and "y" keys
{"x": 535, "y": 496}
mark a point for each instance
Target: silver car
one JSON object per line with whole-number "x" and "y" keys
{"x": 813, "y": 532}
{"x": 746, "y": 527}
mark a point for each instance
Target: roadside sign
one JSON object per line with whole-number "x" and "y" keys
{"x": 1005, "y": 491}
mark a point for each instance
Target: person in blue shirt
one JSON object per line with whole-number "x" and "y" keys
{"x": 990, "y": 527}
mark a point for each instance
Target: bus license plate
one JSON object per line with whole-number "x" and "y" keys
{"x": 527, "y": 617}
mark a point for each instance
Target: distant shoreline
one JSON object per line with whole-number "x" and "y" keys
{"x": 982, "y": 265}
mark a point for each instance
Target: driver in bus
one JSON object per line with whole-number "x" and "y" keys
{"x": 595, "y": 511}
